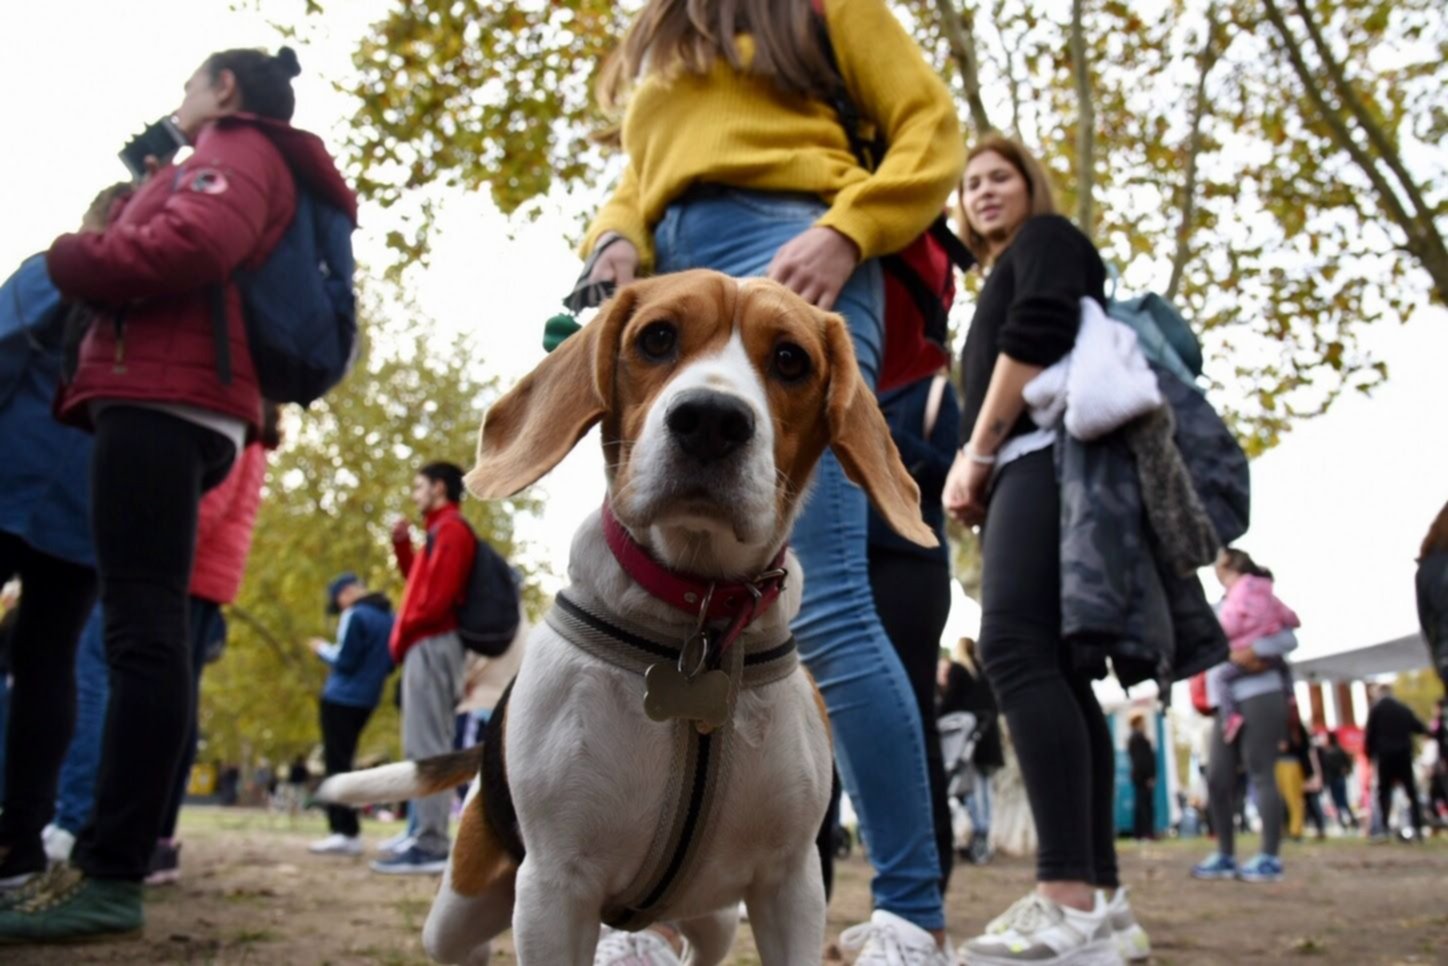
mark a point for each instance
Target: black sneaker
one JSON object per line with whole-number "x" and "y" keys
{"x": 165, "y": 864}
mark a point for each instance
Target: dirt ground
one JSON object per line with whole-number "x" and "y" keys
{"x": 251, "y": 894}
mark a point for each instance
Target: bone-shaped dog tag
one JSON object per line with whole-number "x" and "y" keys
{"x": 704, "y": 698}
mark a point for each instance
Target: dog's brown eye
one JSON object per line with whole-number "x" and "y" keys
{"x": 658, "y": 341}
{"x": 791, "y": 363}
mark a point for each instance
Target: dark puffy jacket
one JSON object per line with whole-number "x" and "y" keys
{"x": 45, "y": 476}
{"x": 155, "y": 272}
{"x": 363, "y": 663}
{"x": 1119, "y": 600}
{"x": 1433, "y": 608}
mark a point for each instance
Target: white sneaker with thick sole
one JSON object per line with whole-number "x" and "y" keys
{"x": 1131, "y": 940}
{"x": 642, "y": 948}
{"x": 1040, "y": 932}
{"x": 58, "y": 844}
{"x": 337, "y": 844}
{"x": 888, "y": 940}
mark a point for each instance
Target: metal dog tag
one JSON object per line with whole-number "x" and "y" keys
{"x": 703, "y": 698}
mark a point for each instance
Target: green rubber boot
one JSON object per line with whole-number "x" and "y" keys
{"x": 72, "y": 908}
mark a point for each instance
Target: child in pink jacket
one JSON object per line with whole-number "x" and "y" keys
{"x": 1249, "y": 612}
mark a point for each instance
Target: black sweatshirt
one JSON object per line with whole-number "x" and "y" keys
{"x": 1030, "y": 308}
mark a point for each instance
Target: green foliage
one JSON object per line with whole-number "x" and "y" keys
{"x": 334, "y": 488}
{"x": 1419, "y": 690}
{"x": 1288, "y": 256}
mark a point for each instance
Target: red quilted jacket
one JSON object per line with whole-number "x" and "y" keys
{"x": 154, "y": 271}
{"x": 224, "y": 526}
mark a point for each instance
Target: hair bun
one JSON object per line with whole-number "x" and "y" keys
{"x": 287, "y": 58}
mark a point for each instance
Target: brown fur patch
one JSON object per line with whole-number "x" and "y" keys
{"x": 478, "y": 857}
{"x": 820, "y": 704}
{"x": 442, "y": 772}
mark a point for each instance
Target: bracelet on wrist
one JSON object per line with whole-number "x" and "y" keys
{"x": 983, "y": 459}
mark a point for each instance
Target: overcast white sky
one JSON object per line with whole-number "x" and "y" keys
{"x": 1338, "y": 509}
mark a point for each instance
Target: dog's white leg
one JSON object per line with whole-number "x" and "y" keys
{"x": 459, "y": 927}
{"x": 553, "y": 925}
{"x": 475, "y": 901}
{"x": 710, "y": 937}
{"x": 788, "y": 915}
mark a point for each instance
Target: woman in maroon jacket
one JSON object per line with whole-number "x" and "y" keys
{"x": 169, "y": 422}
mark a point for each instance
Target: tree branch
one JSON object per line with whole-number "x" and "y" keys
{"x": 1205, "y": 60}
{"x": 959, "y": 27}
{"x": 1350, "y": 99}
{"x": 267, "y": 637}
{"x": 1086, "y": 120}
{"x": 1430, "y": 252}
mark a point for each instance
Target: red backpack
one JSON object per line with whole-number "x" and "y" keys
{"x": 920, "y": 278}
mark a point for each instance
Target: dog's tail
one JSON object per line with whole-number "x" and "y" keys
{"x": 404, "y": 780}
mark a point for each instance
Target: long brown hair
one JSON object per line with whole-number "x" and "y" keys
{"x": 1437, "y": 538}
{"x": 669, "y": 35}
{"x": 1038, "y": 186}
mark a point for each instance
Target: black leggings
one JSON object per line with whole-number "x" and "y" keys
{"x": 1065, "y": 750}
{"x": 342, "y": 725}
{"x": 912, "y": 597}
{"x": 148, "y": 473}
{"x": 56, "y": 599}
{"x": 202, "y": 628}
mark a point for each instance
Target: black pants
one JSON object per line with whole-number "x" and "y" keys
{"x": 148, "y": 473}
{"x": 56, "y": 600}
{"x": 341, "y": 727}
{"x": 912, "y": 597}
{"x": 1067, "y": 757}
{"x": 1143, "y": 818}
{"x": 1312, "y": 801}
{"x": 1394, "y": 769}
{"x": 201, "y": 626}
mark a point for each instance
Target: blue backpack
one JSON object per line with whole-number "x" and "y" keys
{"x": 32, "y": 319}
{"x": 301, "y": 310}
{"x": 1164, "y": 335}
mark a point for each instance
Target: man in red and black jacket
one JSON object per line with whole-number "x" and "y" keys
{"x": 425, "y": 644}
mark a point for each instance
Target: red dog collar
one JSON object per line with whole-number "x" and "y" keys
{"x": 739, "y": 602}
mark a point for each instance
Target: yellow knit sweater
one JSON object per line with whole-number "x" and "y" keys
{"x": 732, "y": 128}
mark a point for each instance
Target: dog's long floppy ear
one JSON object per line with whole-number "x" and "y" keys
{"x": 860, "y": 438}
{"x": 538, "y": 422}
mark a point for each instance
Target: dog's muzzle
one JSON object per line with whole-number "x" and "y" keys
{"x": 709, "y": 426}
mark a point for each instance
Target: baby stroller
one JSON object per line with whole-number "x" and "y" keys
{"x": 960, "y": 732}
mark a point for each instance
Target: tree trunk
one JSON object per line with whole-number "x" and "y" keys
{"x": 959, "y": 27}
{"x": 1206, "y": 59}
{"x": 1423, "y": 241}
{"x": 1086, "y": 121}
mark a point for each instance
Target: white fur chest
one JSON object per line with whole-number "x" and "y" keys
{"x": 591, "y": 776}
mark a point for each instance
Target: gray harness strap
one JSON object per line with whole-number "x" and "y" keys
{"x": 700, "y": 761}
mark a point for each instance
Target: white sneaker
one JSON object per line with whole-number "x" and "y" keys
{"x": 337, "y": 844}
{"x": 1042, "y": 933}
{"x": 888, "y": 940}
{"x": 642, "y": 948}
{"x": 1131, "y": 940}
{"x": 58, "y": 844}
{"x": 396, "y": 845}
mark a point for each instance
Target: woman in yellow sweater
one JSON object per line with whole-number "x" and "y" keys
{"x": 738, "y": 162}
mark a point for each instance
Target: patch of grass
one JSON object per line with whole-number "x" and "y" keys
{"x": 414, "y": 912}
{"x": 248, "y": 937}
{"x": 1307, "y": 946}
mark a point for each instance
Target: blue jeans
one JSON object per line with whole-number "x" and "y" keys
{"x": 77, "y": 790}
{"x": 877, "y": 731}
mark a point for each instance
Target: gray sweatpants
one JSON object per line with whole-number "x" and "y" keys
{"x": 432, "y": 679}
{"x": 1264, "y": 725}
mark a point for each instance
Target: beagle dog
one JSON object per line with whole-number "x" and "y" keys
{"x": 717, "y": 397}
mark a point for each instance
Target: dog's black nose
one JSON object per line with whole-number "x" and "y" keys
{"x": 710, "y": 425}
